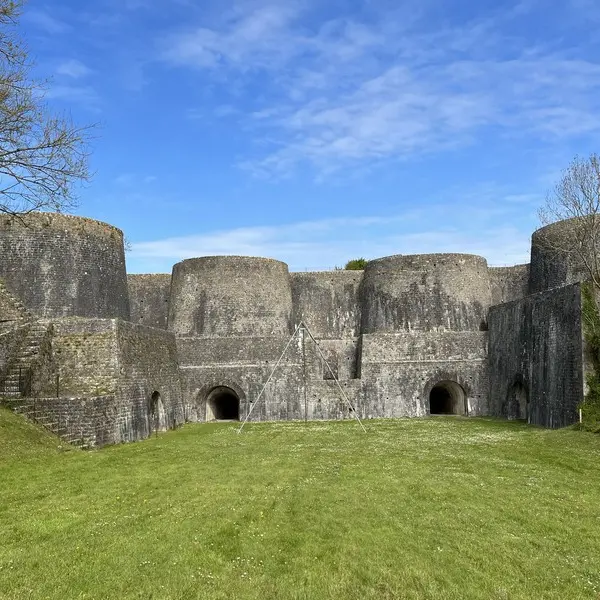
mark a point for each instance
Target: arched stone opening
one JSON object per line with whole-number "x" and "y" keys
{"x": 157, "y": 414}
{"x": 222, "y": 404}
{"x": 447, "y": 398}
{"x": 517, "y": 404}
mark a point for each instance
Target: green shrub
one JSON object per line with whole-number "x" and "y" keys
{"x": 356, "y": 264}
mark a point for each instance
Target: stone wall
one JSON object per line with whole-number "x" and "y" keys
{"x": 394, "y": 334}
{"x": 536, "y": 346}
{"x": 148, "y": 365}
{"x": 328, "y": 303}
{"x": 324, "y": 400}
{"x": 60, "y": 266}
{"x": 43, "y": 365}
{"x": 12, "y": 310}
{"x": 342, "y": 358}
{"x": 509, "y": 283}
{"x": 194, "y": 351}
{"x": 230, "y": 296}
{"x": 10, "y": 342}
{"x": 128, "y": 363}
{"x": 82, "y": 421}
{"x": 553, "y": 262}
{"x": 149, "y": 299}
{"x": 398, "y": 371}
{"x": 425, "y": 292}
{"x": 288, "y": 396}
{"x": 242, "y": 364}
{"x": 87, "y": 356}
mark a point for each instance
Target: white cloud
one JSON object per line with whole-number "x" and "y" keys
{"x": 73, "y": 68}
{"x": 248, "y": 36}
{"x": 134, "y": 180}
{"x": 82, "y": 94}
{"x": 385, "y": 88}
{"x": 45, "y": 22}
{"x": 403, "y": 112}
{"x": 324, "y": 244}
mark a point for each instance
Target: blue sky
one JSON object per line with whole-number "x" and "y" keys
{"x": 315, "y": 132}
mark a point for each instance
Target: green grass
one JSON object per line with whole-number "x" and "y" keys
{"x": 417, "y": 509}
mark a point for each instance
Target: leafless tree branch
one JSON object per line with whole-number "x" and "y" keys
{"x": 577, "y": 196}
{"x": 42, "y": 156}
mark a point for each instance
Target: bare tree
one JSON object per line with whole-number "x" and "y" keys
{"x": 576, "y": 196}
{"x": 42, "y": 155}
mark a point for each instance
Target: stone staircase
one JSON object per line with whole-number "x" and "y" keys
{"x": 15, "y": 382}
{"x": 13, "y": 387}
{"x": 12, "y": 311}
{"x": 27, "y": 407}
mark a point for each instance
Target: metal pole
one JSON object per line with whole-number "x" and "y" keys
{"x": 269, "y": 379}
{"x": 336, "y": 380}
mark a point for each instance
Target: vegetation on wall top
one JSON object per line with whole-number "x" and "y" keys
{"x": 356, "y": 264}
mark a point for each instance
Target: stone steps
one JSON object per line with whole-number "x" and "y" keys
{"x": 29, "y": 411}
{"x": 13, "y": 310}
{"x": 20, "y": 366}
{"x": 12, "y": 386}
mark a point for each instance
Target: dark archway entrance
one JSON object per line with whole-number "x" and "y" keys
{"x": 447, "y": 398}
{"x": 222, "y": 404}
{"x": 517, "y": 405}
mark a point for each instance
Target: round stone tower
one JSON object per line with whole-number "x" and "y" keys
{"x": 230, "y": 296}
{"x": 62, "y": 266}
{"x": 553, "y": 259}
{"x": 425, "y": 292}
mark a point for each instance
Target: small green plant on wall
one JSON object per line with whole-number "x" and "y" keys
{"x": 356, "y": 264}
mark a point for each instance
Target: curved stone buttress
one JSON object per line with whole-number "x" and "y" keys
{"x": 424, "y": 322}
{"x": 230, "y": 296}
{"x": 63, "y": 266}
{"x": 553, "y": 261}
{"x": 233, "y": 317}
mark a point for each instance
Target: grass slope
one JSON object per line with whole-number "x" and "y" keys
{"x": 417, "y": 509}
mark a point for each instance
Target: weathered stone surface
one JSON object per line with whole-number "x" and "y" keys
{"x": 509, "y": 283}
{"x": 122, "y": 363}
{"x": 149, "y": 299}
{"x": 61, "y": 266}
{"x": 425, "y": 292}
{"x": 536, "y": 343}
{"x": 409, "y": 336}
{"x": 328, "y": 302}
{"x": 230, "y": 296}
{"x": 553, "y": 264}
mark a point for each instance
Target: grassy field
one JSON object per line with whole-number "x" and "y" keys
{"x": 420, "y": 509}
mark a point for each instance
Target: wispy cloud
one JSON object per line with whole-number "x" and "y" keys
{"x": 404, "y": 112}
{"x": 247, "y": 36}
{"x": 386, "y": 87}
{"x": 85, "y": 95}
{"x": 46, "y": 22}
{"x": 324, "y": 244}
{"x": 73, "y": 68}
{"x": 133, "y": 180}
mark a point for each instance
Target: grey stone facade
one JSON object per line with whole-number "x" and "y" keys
{"x": 62, "y": 266}
{"x": 112, "y": 357}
